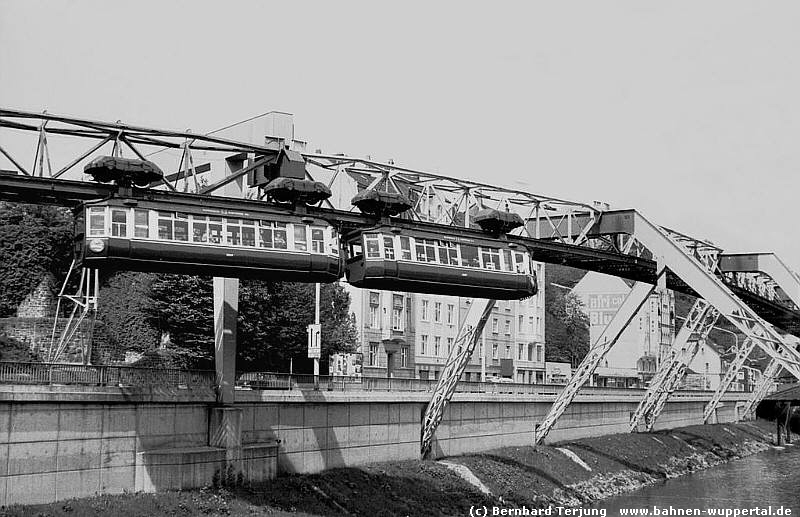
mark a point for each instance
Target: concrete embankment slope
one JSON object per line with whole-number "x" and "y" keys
{"x": 569, "y": 473}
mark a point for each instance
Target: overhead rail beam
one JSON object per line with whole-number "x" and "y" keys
{"x": 768, "y": 264}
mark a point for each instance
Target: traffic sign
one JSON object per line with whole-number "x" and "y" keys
{"x": 314, "y": 341}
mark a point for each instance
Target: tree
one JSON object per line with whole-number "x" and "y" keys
{"x": 567, "y": 328}
{"x": 34, "y": 240}
{"x": 271, "y": 326}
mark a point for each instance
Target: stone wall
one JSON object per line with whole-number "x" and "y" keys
{"x": 36, "y": 333}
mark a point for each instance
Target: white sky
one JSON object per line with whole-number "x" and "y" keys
{"x": 686, "y": 111}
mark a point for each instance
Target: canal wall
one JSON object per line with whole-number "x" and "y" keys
{"x": 59, "y": 442}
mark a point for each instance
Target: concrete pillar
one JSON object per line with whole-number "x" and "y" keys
{"x": 226, "y": 310}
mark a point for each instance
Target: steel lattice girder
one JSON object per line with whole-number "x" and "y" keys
{"x": 468, "y": 336}
{"x": 760, "y": 391}
{"x": 730, "y": 374}
{"x": 630, "y": 306}
{"x": 699, "y": 322}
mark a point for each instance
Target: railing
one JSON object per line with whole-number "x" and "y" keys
{"x": 285, "y": 381}
{"x": 88, "y": 375}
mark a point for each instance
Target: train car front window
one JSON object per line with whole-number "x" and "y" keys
{"x": 405, "y": 248}
{"x": 373, "y": 248}
{"x": 119, "y": 222}
{"x": 300, "y": 237}
{"x": 508, "y": 264}
{"x": 317, "y": 240}
{"x": 490, "y": 257}
{"x": 334, "y": 242}
{"x": 97, "y": 220}
{"x": 388, "y": 248}
{"x": 141, "y": 223}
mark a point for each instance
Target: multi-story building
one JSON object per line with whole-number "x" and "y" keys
{"x": 386, "y": 329}
{"x": 635, "y": 357}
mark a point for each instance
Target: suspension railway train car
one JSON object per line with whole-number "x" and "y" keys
{"x": 259, "y": 242}
{"x": 387, "y": 257}
{"x": 158, "y": 236}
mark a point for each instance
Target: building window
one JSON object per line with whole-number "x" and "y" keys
{"x": 397, "y": 312}
{"x": 450, "y": 309}
{"x": 538, "y": 325}
{"x": 424, "y": 310}
{"x": 539, "y": 354}
{"x": 508, "y": 327}
{"x": 449, "y": 346}
{"x": 437, "y": 345}
{"x": 437, "y": 312}
{"x": 520, "y": 321}
{"x": 494, "y": 350}
{"x": 373, "y": 354}
{"x": 424, "y": 345}
{"x": 495, "y": 325}
{"x": 508, "y": 351}
{"x": 530, "y": 352}
{"x": 530, "y": 324}
{"x": 404, "y": 357}
{"x": 520, "y": 351}
{"x": 374, "y": 310}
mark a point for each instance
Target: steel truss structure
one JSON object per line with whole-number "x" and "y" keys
{"x": 690, "y": 338}
{"x": 762, "y": 388}
{"x": 621, "y": 243}
{"x": 468, "y": 336}
{"x": 84, "y": 308}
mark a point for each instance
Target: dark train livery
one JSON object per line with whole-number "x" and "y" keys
{"x": 146, "y": 235}
{"x": 264, "y": 243}
{"x": 387, "y": 257}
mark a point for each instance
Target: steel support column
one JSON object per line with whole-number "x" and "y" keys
{"x": 762, "y": 388}
{"x": 630, "y": 306}
{"x": 730, "y": 374}
{"x": 468, "y": 336}
{"x": 700, "y": 320}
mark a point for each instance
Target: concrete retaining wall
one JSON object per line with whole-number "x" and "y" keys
{"x": 79, "y": 444}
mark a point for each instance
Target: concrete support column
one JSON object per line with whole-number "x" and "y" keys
{"x": 225, "y": 432}
{"x": 226, "y": 310}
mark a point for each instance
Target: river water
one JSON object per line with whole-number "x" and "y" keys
{"x": 770, "y": 478}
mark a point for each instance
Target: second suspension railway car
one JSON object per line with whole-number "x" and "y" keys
{"x": 387, "y": 257}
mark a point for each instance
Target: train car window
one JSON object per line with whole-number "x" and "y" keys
{"x": 265, "y": 234}
{"x": 119, "y": 222}
{"x": 317, "y": 240}
{"x": 372, "y": 245}
{"x": 356, "y": 251}
{"x": 426, "y": 250}
{"x": 199, "y": 228}
{"x": 405, "y": 248}
{"x": 469, "y": 256}
{"x": 248, "y": 233}
{"x": 388, "y": 247}
{"x": 490, "y": 258}
{"x": 233, "y": 232}
{"x": 334, "y": 242}
{"x": 141, "y": 223}
{"x": 181, "y": 227}
{"x": 300, "y": 237}
{"x": 448, "y": 253}
{"x": 279, "y": 236}
{"x": 97, "y": 220}
{"x": 215, "y": 230}
{"x": 519, "y": 263}
{"x": 165, "y": 226}
{"x": 508, "y": 262}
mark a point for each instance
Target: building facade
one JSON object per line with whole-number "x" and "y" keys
{"x": 638, "y": 352}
